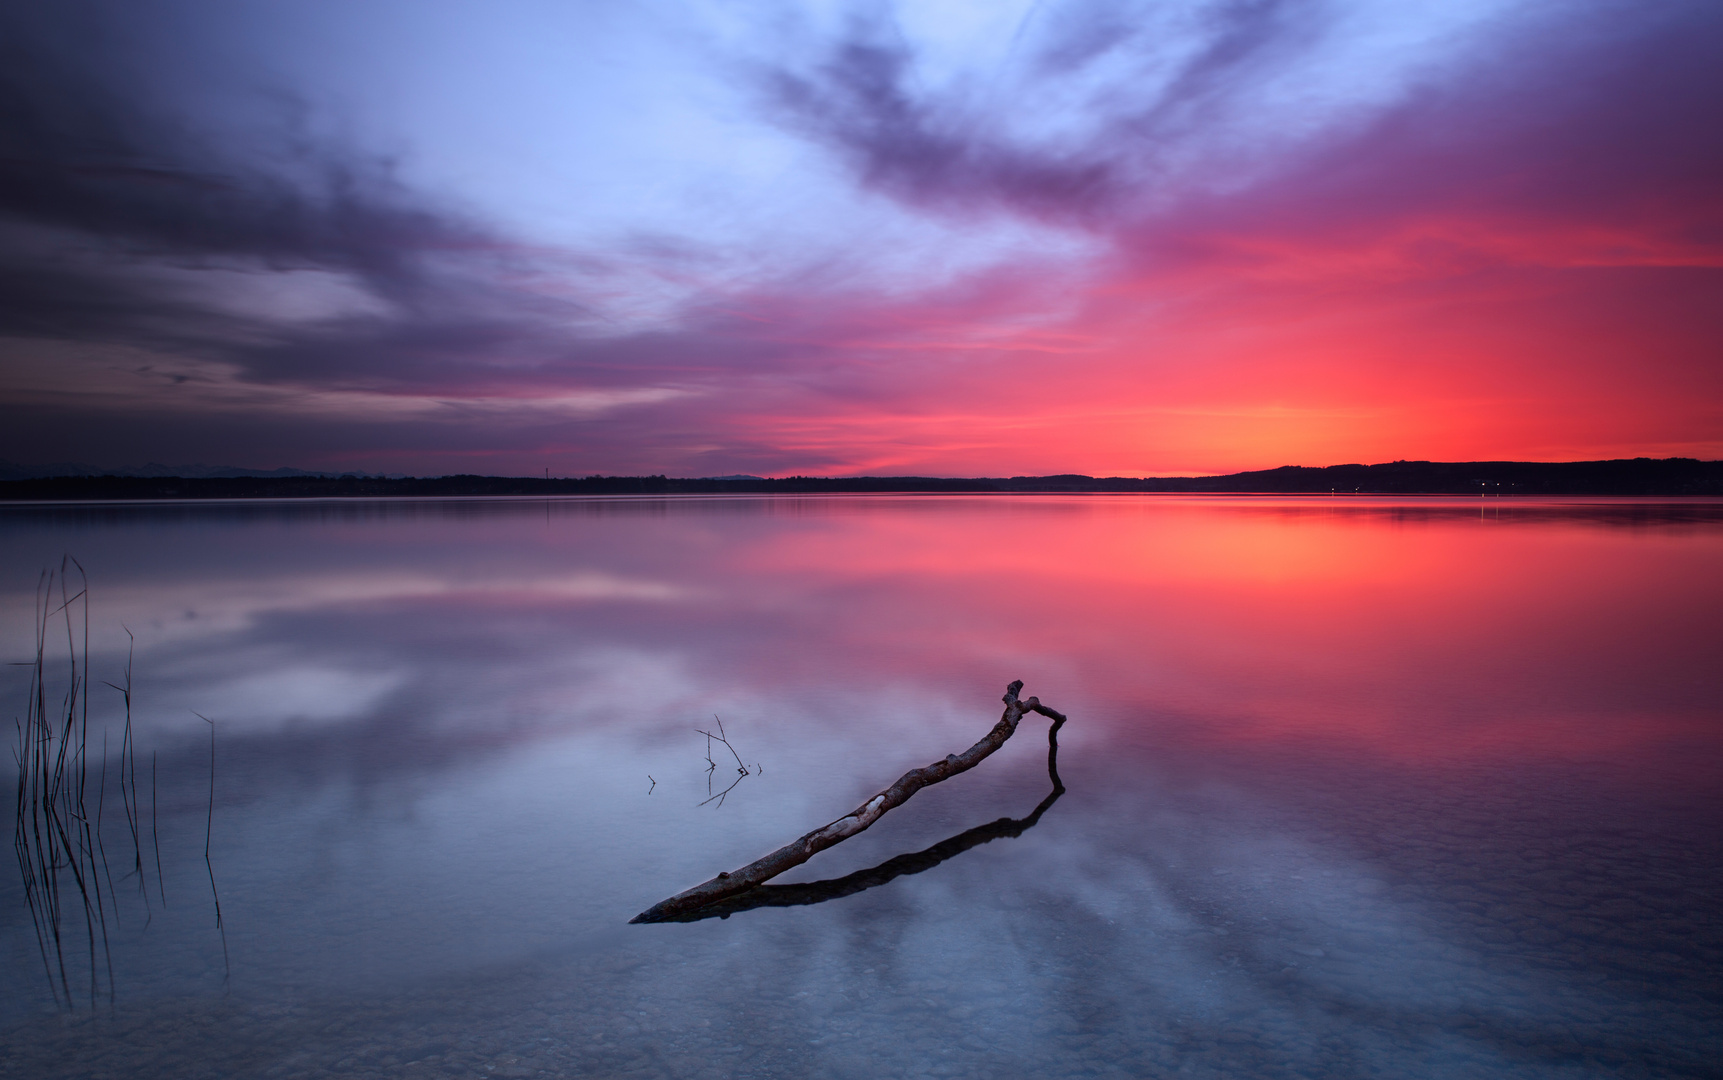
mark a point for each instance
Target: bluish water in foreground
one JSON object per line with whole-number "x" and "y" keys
{"x": 1353, "y": 788}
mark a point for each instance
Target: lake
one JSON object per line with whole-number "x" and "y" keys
{"x": 1350, "y": 788}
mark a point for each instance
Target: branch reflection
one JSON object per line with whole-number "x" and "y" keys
{"x": 818, "y": 892}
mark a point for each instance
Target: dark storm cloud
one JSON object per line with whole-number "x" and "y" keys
{"x": 859, "y": 101}
{"x": 1605, "y": 112}
{"x": 119, "y": 222}
{"x": 84, "y": 151}
{"x": 949, "y": 150}
{"x": 106, "y": 200}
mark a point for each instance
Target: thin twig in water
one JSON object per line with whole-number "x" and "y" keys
{"x": 101, "y": 793}
{"x": 55, "y": 834}
{"x": 78, "y": 701}
{"x": 208, "y": 828}
{"x": 712, "y": 766}
{"x": 129, "y": 775}
{"x": 155, "y": 836}
{"x": 53, "y": 831}
{"x": 129, "y": 796}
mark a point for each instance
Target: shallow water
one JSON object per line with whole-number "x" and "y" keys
{"x": 1352, "y": 788}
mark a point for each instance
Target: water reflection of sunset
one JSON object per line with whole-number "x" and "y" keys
{"x": 1424, "y": 630}
{"x": 1429, "y": 631}
{"x": 1425, "y": 773}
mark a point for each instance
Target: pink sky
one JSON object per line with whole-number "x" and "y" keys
{"x": 1137, "y": 239}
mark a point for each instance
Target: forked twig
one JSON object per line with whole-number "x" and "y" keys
{"x": 712, "y": 766}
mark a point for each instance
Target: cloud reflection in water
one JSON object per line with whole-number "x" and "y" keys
{"x": 1356, "y": 787}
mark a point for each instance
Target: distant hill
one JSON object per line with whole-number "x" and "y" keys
{"x": 13, "y": 471}
{"x": 1664, "y": 477}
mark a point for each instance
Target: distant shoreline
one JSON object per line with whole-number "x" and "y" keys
{"x": 1667, "y": 477}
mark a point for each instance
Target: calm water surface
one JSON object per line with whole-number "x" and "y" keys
{"x": 1352, "y": 788}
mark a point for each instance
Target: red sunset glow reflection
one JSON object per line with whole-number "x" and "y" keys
{"x": 1426, "y": 632}
{"x": 1433, "y": 632}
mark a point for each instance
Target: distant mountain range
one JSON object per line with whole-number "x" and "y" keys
{"x": 1624, "y": 476}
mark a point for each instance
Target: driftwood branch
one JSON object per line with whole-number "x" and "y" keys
{"x": 794, "y": 854}
{"x": 818, "y": 892}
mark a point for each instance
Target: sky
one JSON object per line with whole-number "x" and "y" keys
{"x": 935, "y": 238}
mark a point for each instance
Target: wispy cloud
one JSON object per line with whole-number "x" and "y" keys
{"x": 1290, "y": 208}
